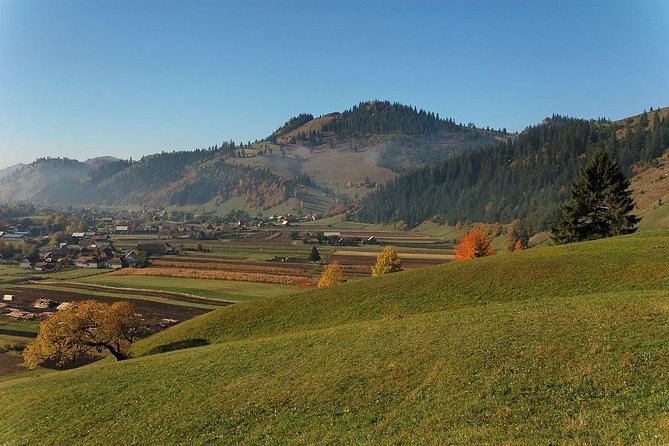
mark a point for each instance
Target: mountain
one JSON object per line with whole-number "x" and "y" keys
{"x": 310, "y": 164}
{"x": 28, "y": 181}
{"x": 368, "y": 144}
{"x": 557, "y": 345}
{"x": 10, "y": 170}
{"x": 526, "y": 177}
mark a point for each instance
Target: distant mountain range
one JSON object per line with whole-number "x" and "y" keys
{"x": 314, "y": 164}
{"x": 386, "y": 161}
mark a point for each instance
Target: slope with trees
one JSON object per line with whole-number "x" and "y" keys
{"x": 524, "y": 178}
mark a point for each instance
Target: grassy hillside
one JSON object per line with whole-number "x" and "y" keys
{"x": 560, "y": 345}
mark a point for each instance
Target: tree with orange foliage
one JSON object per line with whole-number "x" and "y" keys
{"x": 518, "y": 246}
{"x": 475, "y": 243}
{"x": 332, "y": 275}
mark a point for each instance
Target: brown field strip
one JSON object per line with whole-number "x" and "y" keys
{"x": 172, "y": 295}
{"x": 268, "y": 268}
{"x": 402, "y": 255}
{"x": 212, "y": 274}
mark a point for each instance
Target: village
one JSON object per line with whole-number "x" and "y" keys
{"x": 84, "y": 239}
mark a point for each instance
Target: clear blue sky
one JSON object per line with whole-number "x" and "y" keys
{"x": 126, "y": 78}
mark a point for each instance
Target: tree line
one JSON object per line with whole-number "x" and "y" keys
{"x": 526, "y": 177}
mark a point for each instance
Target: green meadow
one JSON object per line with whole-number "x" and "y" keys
{"x": 554, "y": 345}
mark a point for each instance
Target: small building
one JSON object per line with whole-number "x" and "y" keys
{"x": 115, "y": 263}
{"x": 25, "y": 263}
{"x": 156, "y": 248}
{"x": 121, "y": 229}
{"x": 371, "y": 240}
{"x": 89, "y": 262}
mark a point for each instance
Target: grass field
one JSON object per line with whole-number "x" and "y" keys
{"x": 216, "y": 289}
{"x": 557, "y": 345}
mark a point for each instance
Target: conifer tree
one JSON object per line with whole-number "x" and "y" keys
{"x": 314, "y": 255}
{"x": 601, "y": 204}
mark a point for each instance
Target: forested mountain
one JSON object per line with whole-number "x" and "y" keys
{"x": 524, "y": 178}
{"x": 175, "y": 178}
{"x": 401, "y": 135}
{"x": 398, "y": 162}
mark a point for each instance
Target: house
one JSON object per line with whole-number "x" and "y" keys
{"x": 121, "y": 229}
{"x": 25, "y": 263}
{"x": 115, "y": 263}
{"x": 89, "y": 262}
{"x": 156, "y": 248}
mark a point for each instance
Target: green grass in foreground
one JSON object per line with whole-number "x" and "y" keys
{"x": 558, "y": 345}
{"x": 216, "y": 289}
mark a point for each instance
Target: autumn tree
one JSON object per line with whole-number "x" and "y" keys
{"x": 516, "y": 235}
{"x": 314, "y": 255}
{"x": 601, "y": 204}
{"x": 83, "y": 329}
{"x": 332, "y": 275}
{"x": 387, "y": 262}
{"x": 475, "y": 243}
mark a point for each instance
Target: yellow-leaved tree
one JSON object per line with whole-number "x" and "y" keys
{"x": 332, "y": 275}
{"x": 387, "y": 262}
{"x": 84, "y": 328}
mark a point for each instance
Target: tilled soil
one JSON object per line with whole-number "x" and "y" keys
{"x": 157, "y": 315}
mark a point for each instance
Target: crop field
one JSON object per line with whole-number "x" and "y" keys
{"x": 14, "y": 336}
{"x": 207, "y": 274}
{"x": 215, "y": 289}
{"x": 247, "y": 259}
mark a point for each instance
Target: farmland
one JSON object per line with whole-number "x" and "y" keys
{"x": 207, "y": 274}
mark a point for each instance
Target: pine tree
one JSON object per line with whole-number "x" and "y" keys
{"x": 600, "y": 206}
{"x": 314, "y": 255}
{"x": 387, "y": 262}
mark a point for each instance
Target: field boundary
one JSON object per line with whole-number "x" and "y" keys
{"x": 107, "y": 287}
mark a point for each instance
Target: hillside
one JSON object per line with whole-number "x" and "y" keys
{"x": 175, "y": 178}
{"x": 339, "y": 155}
{"x": 10, "y": 170}
{"x": 525, "y": 178}
{"x": 561, "y": 345}
{"x": 368, "y": 144}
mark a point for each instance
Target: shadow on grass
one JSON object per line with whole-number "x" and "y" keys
{"x": 189, "y": 343}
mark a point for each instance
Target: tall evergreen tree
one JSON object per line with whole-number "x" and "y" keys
{"x": 600, "y": 206}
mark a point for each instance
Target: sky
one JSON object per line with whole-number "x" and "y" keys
{"x": 87, "y": 78}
